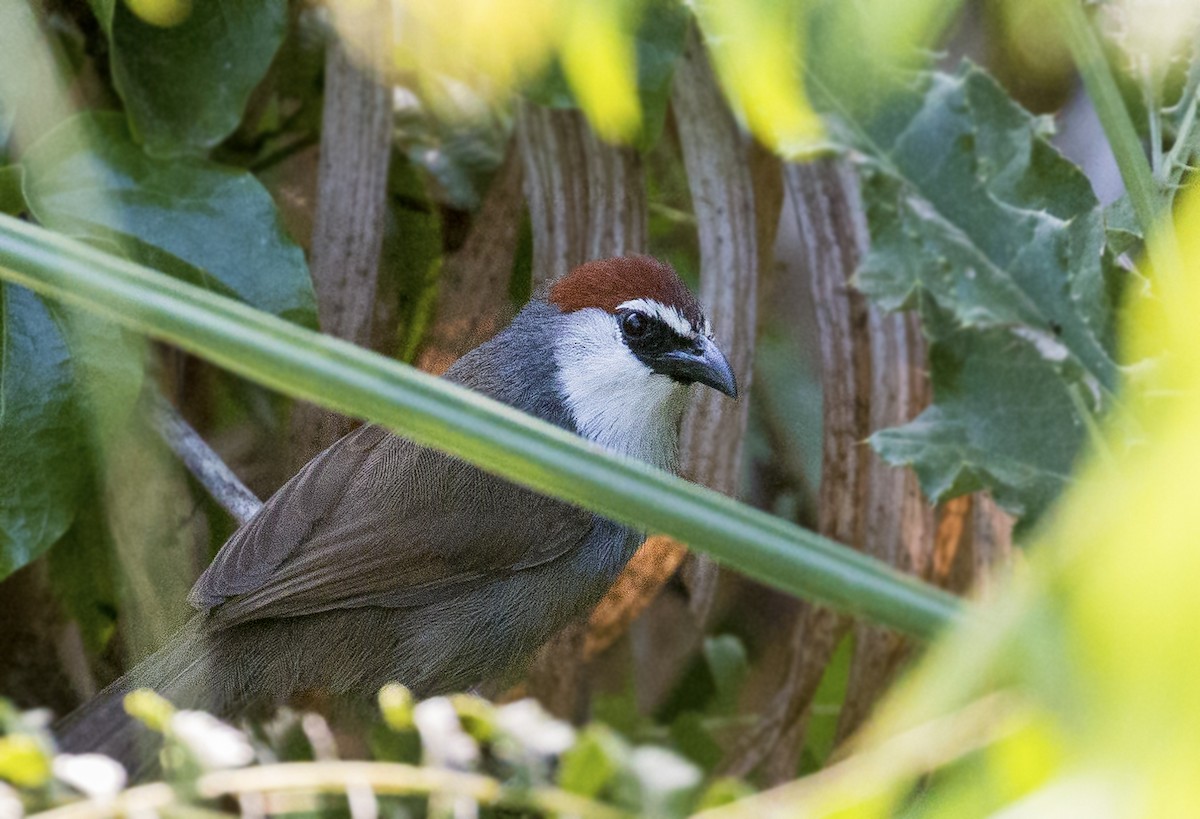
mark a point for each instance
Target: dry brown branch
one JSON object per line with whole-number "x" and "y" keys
{"x": 873, "y": 374}
{"x": 586, "y": 200}
{"x": 473, "y": 299}
{"x": 991, "y": 546}
{"x": 831, "y": 240}
{"x": 635, "y": 588}
{"x": 900, "y": 526}
{"x": 972, "y": 547}
{"x": 948, "y": 543}
{"x": 723, "y": 198}
{"x": 348, "y": 232}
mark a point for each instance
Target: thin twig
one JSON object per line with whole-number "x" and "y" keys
{"x": 208, "y": 468}
{"x": 384, "y": 778}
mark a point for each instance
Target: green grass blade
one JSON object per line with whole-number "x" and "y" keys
{"x": 438, "y": 414}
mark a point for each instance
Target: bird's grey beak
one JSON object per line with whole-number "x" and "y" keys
{"x": 704, "y": 364}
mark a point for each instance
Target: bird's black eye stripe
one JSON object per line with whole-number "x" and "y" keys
{"x": 650, "y": 336}
{"x": 634, "y": 324}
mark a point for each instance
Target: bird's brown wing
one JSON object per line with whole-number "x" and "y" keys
{"x": 377, "y": 520}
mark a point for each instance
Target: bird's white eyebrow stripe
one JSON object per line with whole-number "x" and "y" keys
{"x": 671, "y": 315}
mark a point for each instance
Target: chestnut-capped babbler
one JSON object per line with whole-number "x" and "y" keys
{"x": 382, "y": 560}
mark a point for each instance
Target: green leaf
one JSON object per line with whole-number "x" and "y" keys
{"x": 459, "y": 160}
{"x": 692, "y": 737}
{"x": 42, "y": 445}
{"x": 999, "y": 241}
{"x": 726, "y": 659}
{"x": 497, "y": 438}
{"x": 411, "y": 258}
{"x": 590, "y": 765}
{"x": 1003, "y": 419}
{"x": 185, "y": 87}
{"x": 1121, "y": 226}
{"x": 81, "y": 571}
{"x": 826, "y": 709}
{"x": 7, "y": 119}
{"x": 659, "y": 43}
{"x": 12, "y": 201}
{"x": 723, "y": 792}
{"x": 213, "y": 226}
{"x": 62, "y": 370}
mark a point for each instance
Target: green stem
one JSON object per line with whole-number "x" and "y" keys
{"x": 1114, "y": 116}
{"x": 1176, "y": 161}
{"x": 436, "y": 413}
{"x": 1150, "y": 100}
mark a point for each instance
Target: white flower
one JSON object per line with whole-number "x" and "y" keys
{"x": 662, "y": 771}
{"x": 1152, "y": 33}
{"x": 529, "y": 724}
{"x": 10, "y": 803}
{"x": 442, "y": 738}
{"x": 212, "y": 742}
{"x": 95, "y": 775}
{"x": 36, "y": 719}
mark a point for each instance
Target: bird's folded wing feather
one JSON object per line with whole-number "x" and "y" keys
{"x": 378, "y": 520}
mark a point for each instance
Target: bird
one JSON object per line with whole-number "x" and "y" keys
{"x": 382, "y": 560}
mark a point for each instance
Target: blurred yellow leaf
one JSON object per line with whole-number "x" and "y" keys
{"x": 23, "y": 761}
{"x": 1101, "y": 637}
{"x": 150, "y": 708}
{"x": 756, "y": 50}
{"x": 598, "y": 58}
{"x": 161, "y": 13}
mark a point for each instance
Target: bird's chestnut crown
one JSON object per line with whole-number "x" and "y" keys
{"x": 659, "y": 319}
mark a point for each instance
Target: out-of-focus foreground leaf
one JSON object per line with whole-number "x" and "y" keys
{"x": 203, "y": 223}
{"x": 1074, "y": 692}
{"x": 658, "y": 44}
{"x": 613, "y": 59}
{"x": 40, "y": 437}
{"x": 185, "y": 85}
{"x": 999, "y": 241}
{"x": 435, "y": 412}
{"x": 63, "y": 371}
{"x": 756, "y": 49}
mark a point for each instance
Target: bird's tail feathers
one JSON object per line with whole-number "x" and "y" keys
{"x": 101, "y": 725}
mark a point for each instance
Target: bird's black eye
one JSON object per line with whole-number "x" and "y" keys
{"x": 634, "y": 324}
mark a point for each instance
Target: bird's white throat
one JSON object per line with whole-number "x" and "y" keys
{"x": 617, "y": 401}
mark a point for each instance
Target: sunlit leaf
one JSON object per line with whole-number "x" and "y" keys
{"x": 658, "y": 43}
{"x": 599, "y": 60}
{"x": 756, "y": 48}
